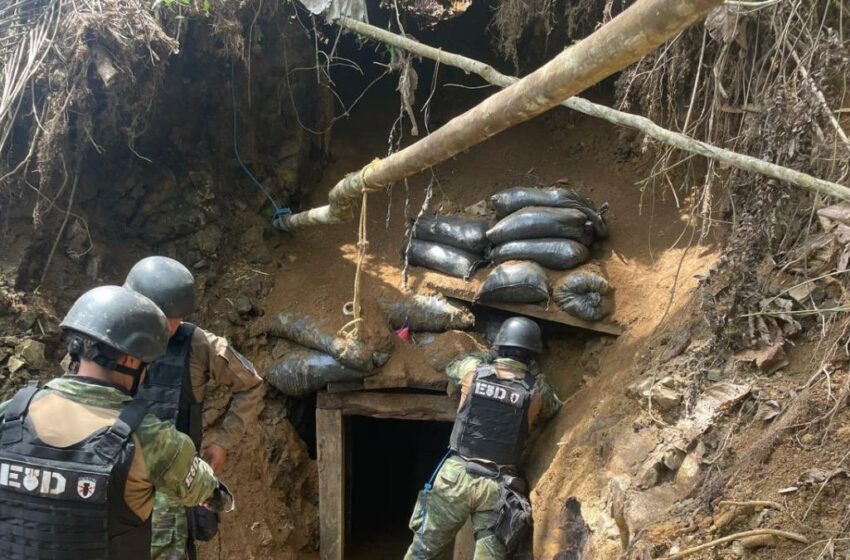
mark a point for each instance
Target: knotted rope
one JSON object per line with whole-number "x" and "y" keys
{"x": 351, "y": 329}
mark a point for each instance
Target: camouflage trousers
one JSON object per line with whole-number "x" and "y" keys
{"x": 170, "y": 529}
{"x": 455, "y": 497}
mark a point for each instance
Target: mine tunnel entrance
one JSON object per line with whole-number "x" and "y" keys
{"x": 388, "y": 463}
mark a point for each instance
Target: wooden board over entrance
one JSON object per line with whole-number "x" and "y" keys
{"x": 552, "y": 313}
{"x": 398, "y": 406}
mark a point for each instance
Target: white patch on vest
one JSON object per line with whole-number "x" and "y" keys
{"x": 43, "y": 480}
{"x": 193, "y": 471}
{"x": 496, "y": 392}
{"x": 86, "y": 487}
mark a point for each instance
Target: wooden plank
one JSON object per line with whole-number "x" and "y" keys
{"x": 464, "y": 548}
{"x": 399, "y": 406}
{"x": 345, "y": 386}
{"x": 330, "y": 443}
{"x": 553, "y": 313}
{"x": 386, "y": 380}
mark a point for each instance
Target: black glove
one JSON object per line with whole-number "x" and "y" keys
{"x": 203, "y": 523}
{"x": 222, "y": 500}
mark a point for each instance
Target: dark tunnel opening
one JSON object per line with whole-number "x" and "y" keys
{"x": 389, "y": 462}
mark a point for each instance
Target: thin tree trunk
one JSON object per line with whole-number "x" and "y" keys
{"x": 637, "y": 31}
{"x": 642, "y": 124}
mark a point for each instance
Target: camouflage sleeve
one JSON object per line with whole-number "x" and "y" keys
{"x": 173, "y": 463}
{"x": 213, "y": 357}
{"x": 457, "y": 370}
{"x": 550, "y": 404}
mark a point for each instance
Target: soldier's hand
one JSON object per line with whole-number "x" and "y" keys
{"x": 216, "y": 456}
{"x": 222, "y": 500}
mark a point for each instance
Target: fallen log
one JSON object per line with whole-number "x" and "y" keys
{"x": 637, "y": 31}
{"x": 636, "y": 122}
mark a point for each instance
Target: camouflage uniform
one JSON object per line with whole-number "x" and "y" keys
{"x": 211, "y": 358}
{"x": 70, "y": 408}
{"x": 456, "y": 494}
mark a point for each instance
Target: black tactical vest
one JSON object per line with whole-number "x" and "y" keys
{"x": 68, "y": 503}
{"x": 492, "y": 424}
{"x": 167, "y": 388}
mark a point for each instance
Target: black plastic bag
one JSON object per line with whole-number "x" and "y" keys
{"x": 557, "y": 254}
{"x": 352, "y": 353}
{"x": 515, "y": 282}
{"x": 302, "y": 371}
{"x": 535, "y": 222}
{"x": 456, "y": 231}
{"x": 583, "y": 294}
{"x": 443, "y": 258}
{"x": 427, "y": 313}
{"x": 511, "y": 200}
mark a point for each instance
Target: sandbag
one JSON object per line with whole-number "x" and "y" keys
{"x": 302, "y": 371}
{"x": 515, "y": 282}
{"x": 511, "y": 200}
{"x": 554, "y": 253}
{"x": 351, "y": 353}
{"x": 455, "y": 231}
{"x": 427, "y": 313}
{"x": 583, "y": 294}
{"x": 443, "y": 258}
{"x": 535, "y": 222}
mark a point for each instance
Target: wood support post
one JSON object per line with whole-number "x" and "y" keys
{"x": 330, "y": 443}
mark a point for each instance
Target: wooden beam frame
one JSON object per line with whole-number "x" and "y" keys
{"x": 396, "y": 406}
{"x": 331, "y": 410}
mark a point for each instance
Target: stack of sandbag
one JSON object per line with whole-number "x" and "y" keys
{"x": 453, "y": 245}
{"x": 312, "y": 358}
{"x": 552, "y": 227}
{"x": 584, "y": 293}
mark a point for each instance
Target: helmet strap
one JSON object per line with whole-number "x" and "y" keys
{"x": 112, "y": 365}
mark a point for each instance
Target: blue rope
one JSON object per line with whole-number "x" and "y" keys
{"x": 279, "y": 212}
{"x": 424, "y": 507}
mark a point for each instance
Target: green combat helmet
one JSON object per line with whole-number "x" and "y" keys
{"x": 165, "y": 281}
{"x": 109, "y": 321}
{"x": 519, "y": 332}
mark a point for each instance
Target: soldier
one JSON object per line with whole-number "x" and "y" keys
{"x": 175, "y": 388}
{"x": 79, "y": 459}
{"x": 500, "y": 402}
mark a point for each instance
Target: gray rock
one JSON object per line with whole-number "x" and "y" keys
{"x": 32, "y": 352}
{"x": 244, "y": 305}
{"x": 665, "y": 398}
{"x": 15, "y": 364}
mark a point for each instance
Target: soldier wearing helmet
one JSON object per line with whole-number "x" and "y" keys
{"x": 174, "y": 390}
{"x": 80, "y": 459}
{"x": 501, "y": 400}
